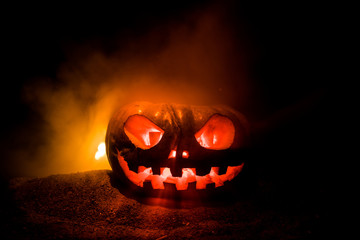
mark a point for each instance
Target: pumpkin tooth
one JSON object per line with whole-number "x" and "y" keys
{"x": 202, "y": 181}
{"x": 141, "y": 169}
{"x": 223, "y": 177}
{"x": 215, "y": 177}
{"x": 165, "y": 172}
{"x": 233, "y": 171}
{"x": 215, "y": 170}
{"x": 160, "y": 181}
{"x": 181, "y": 184}
{"x": 189, "y": 174}
{"x": 157, "y": 182}
{"x": 171, "y": 179}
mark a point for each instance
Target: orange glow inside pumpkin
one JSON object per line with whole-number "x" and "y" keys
{"x": 185, "y": 154}
{"x": 142, "y": 132}
{"x": 188, "y": 176}
{"x": 218, "y": 133}
{"x": 172, "y": 154}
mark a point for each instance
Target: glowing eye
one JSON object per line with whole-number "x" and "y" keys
{"x": 218, "y": 133}
{"x": 142, "y": 132}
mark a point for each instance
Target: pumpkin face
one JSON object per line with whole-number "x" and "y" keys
{"x": 173, "y": 146}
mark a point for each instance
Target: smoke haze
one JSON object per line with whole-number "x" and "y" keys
{"x": 199, "y": 60}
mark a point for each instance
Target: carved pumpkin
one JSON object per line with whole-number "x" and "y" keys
{"x": 173, "y": 146}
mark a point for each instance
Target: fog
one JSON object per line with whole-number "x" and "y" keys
{"x": 201, "y": 59}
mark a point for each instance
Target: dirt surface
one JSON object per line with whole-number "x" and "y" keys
{"x": 86, "y": 205}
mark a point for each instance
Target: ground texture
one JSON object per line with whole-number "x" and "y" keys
{"x": 87, "y": 205}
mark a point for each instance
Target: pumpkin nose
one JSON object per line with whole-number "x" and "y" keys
{"x": 172, "y": 154}
{"x": 185, "y": 154}
{"x": 175, "y": 163}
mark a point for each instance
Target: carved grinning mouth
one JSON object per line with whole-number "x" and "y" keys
{"x": 188, "y": 176}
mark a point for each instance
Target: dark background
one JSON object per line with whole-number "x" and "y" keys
{"x": 293, "y": 64}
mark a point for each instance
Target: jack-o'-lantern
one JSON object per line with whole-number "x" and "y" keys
{"x": 173, "y": 147}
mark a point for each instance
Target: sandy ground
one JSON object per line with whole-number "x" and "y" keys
{"x": 86, "y": 205}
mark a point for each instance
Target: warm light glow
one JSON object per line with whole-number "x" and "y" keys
{"x": 181, "y": 183}
{"x": 165, "y": 173}
{"x": 218, "y": 133}
{"x": 101, "y": 151}
{"x": 77, "y": 107}
{"x": 185, "y": 154}
{"x": 172, "y": 154}
{"x": 142, "y": 132}
{"x": 180, "y": 114}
